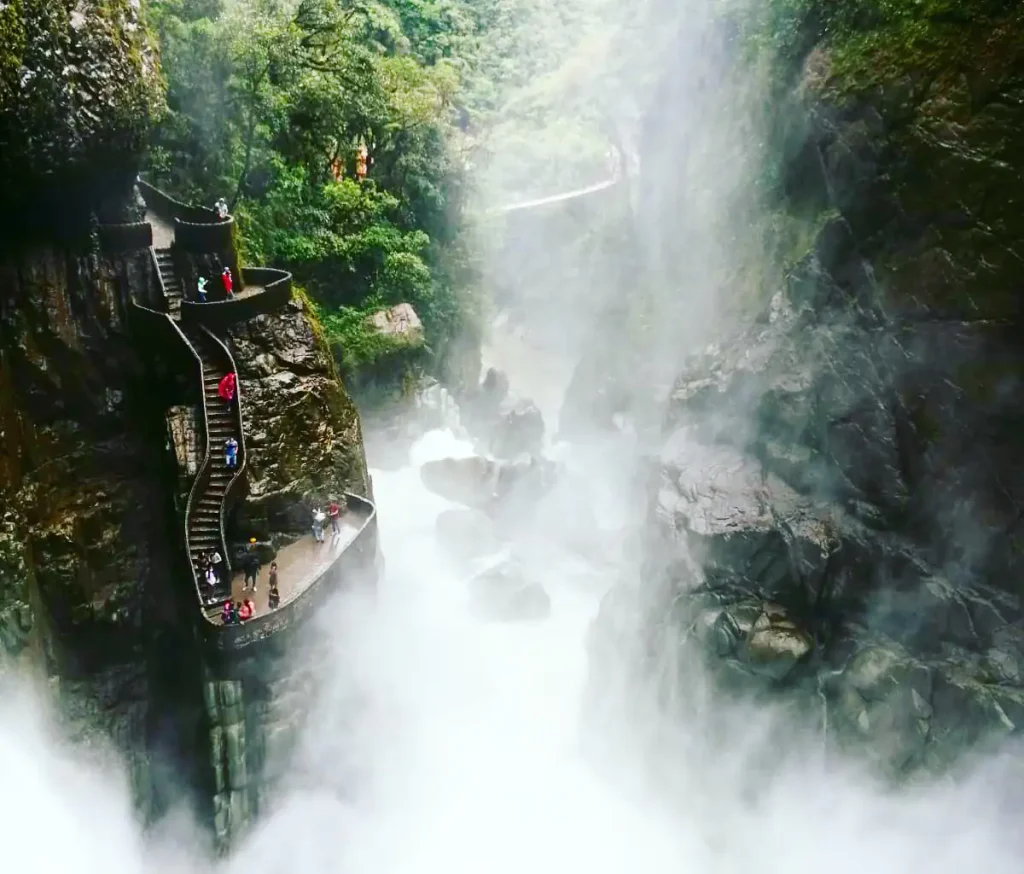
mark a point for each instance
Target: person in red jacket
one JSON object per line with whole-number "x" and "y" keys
{"x": 226, "y": 388}
{"x": 225, "y": 277}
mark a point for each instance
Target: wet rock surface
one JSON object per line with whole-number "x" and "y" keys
{"x": 494, "y": 487}
{"x": 304, "y": 437}
{"x": 78, "y": 85}
{"x": 836, "y": 512}
{"x": 506, "y": 425}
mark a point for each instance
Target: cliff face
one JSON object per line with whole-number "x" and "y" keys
{"x": 95, "y": 592}
{"x": 836, "y": 510}
{"x": 88, "y": 540}
{"x": 78, "y": 83}
{"x": 303, "y": 431}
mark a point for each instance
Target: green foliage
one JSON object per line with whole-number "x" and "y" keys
{"x": 874, "y": 41}
{"x": 270, "y": 102}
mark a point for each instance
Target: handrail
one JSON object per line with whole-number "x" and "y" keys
{"x": 203, "y": 473}
{"x": 240, "y": 470}
{"x": 227, "y": 638}
{"x": 159, "y": 201}
{"x": 161, "y": 289}
{"x": 209, "y": 236}
{"x": 261, "y": 275}
{"x": 219, "y": 314}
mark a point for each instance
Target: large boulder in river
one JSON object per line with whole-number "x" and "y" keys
{"x": 504, "y": 593}
{"x": 485, "y": 484}
{"x": 517, "y": 430}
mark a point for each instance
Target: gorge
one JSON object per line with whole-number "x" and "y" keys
{"x": 717, "y": 567}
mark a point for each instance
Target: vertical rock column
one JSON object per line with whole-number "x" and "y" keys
{"x": 225, "y": 707}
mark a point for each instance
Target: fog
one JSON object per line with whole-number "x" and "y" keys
{"x": 445, "y": 742}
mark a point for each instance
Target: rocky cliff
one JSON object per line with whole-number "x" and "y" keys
{"x": 94, "y": 592}
{"x": 78, "y": 84}
{"x": 837, "y": 512}
{"x": 89, "y": 543}
{"x": 303, "y": 432}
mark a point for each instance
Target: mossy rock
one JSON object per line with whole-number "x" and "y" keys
{"x": 78, "y": 85}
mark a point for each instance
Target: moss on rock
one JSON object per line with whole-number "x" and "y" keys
{"x": 78, "y": 85}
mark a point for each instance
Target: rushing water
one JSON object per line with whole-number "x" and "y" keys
{"x": 451, "y": 744}
{"x": 482, "y": 767}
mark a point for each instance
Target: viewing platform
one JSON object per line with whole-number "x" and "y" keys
{"x": 190, "y": 335}
{"x": 300, "y": 564}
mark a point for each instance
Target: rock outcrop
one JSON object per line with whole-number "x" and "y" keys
{"x": 95, "y": 594}
{"x": 78, "y": 84}
{"x": 483, "y": 484}
{"x": 89, "y": 535}
{"x": 303, "y": 431}
{"x": 837, "y": 508}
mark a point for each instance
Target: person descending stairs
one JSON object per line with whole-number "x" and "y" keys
{"x": 172, "y": 285}
{"x": 223, "y": 423}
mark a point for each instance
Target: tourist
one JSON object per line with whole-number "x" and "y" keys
{"x": 231, "y": 452}
{"x": 245, "y": 610}
{"x": 335, "y": 514}
{"x": 225, "y": 613}
{"x": 201, "y": 289}
{"x": 226, "y": 281}
{"x": 226, "y": 388}
{"x": 221, "y": 206}
{"x": 318, "y": 525}
{"x": 215, "y": 563}
{"x": 211, "y": 576}
{"x": 251, "y": 564}
{"x": 274, "y": 598}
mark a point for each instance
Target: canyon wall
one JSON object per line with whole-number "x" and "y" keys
{"x": 96, "y": 599}
{"x": 835, "y": 514}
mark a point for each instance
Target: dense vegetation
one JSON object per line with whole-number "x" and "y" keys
{"x": 873, "y": 41}
{"x": 271, "y": 104}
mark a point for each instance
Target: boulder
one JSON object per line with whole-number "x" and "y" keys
{"x": 503, "y": 593}
{"x": 399, "y": 322}
{"x": 472, "y": 481}
{"x": 485, "y": 484}
{"x": 759, "y": 635}
{"x": 518, "y": 429}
